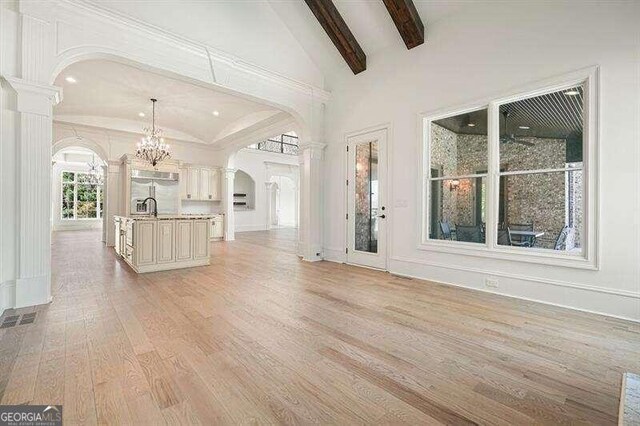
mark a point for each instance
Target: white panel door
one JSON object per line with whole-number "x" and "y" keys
{"x": 201, "y": 239}
{"x": 184, "y": 239}
{"x": 367, "y": 212}
{"x": 166, "y": 241}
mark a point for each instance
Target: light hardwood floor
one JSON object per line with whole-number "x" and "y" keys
{"x": 261, "y": 337}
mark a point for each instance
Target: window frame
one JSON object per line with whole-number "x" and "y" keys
{"x": 589, "y": 256}
{"x": 75, "y": 184}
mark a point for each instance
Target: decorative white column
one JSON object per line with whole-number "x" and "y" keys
{"x": 33, "y": 199}
{"x": 270, "y": 186}
{"x": 113, "y": 192}
{"x": 229, "y": 219}
{"x": 311, "y": 201}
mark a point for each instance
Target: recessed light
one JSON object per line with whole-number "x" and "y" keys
{"x": 524, "y": 127}
{"x": 471, "y": 125}
{"x": 70, "y": 80}
{"x": 141, "y": 114}
{"x": 216, "y": 113}
{"x": 571, "y": 93}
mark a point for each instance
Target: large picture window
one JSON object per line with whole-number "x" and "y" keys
{"x": 80, "y": 198}
{"x": 512, "y": 177}
{"x": 457, "y": 177}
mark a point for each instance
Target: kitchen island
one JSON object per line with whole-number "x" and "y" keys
{"x": 151, "y": 244}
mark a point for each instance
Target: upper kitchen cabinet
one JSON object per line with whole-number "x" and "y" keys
{"x": 200, "y": 183}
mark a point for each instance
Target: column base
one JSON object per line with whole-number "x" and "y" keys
{"x": 7, "y": 295}
{"x": 32, "y": 291}
{"x": 311, "y": 254}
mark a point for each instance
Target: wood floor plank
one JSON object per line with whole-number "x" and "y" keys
{"x": 260, "y": 337}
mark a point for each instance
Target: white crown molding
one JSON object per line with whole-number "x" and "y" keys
{"x": 312, "y": 145}
{"x": 201, "y": 49}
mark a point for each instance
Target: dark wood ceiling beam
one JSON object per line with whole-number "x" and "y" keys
{"x": 407, "y": 20}
{"x": 339, "y": 33}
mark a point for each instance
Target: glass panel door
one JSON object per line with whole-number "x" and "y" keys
{"x": 367, "y": 213}
{"x": 366, "y": 187}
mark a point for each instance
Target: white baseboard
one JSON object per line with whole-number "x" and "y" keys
{"x": 615, "y": 303}
{"x": 335, "y": 255}
{"x": 249, "y": 228}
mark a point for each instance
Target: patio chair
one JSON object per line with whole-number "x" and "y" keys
{"x": 512, "y": 242}
{"x": 565, "y": 239}
{"x": 471, "y": 234}
{"x": 521, "y": 227}
{"x": 445, "y": 227}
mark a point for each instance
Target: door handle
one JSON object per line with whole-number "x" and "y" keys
{"x": 382, "y": 216}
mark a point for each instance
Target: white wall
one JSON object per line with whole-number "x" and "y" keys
{"x": 252, "y": 162}
{"x": 486, "y": 50}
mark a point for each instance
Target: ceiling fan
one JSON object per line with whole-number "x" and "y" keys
{"x": 511, "y": 137}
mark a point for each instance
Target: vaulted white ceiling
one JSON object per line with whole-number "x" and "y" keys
{"x": 282, "y": 36}
{"x": 368, "y": 20}
{"x": 113, "y": 95}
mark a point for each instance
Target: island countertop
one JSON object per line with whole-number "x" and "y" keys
{"x": 152, "y": 244}
{"x": 169, "y": 216}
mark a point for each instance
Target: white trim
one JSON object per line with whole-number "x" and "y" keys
{"x": 336, "y": 255}
{"x": 588, "y": 258}
{"x": 249, "y": 228}
{"x": 196, "y": 48}
{"x": 477, "y": 175}
{"x": 387, "y": 129}
{"x": 538, "y": 171}
{"x": 628, "y": 298}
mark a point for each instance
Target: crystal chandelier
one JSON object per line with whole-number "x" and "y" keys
{"x": 152, "y": 148}
{"x": 95, "y": 176}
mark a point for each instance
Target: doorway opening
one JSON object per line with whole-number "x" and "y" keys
{"x": 78, "y": 195}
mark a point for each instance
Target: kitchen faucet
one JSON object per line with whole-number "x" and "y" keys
{"x": 155, "y": 205}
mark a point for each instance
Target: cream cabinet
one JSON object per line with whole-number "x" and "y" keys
{"x": 200, "y": 183}
{"x": 159, "y": 244}
{"x": 217, "y": 228}
{"x": 166, "y": 241}
{"x": 216, "y": 184}
{"x": 144, "y": 242}
{"x": 184, "y": 239}
{"x": 184, "y": 187}
{"x": 201, "y": 239}
{"x": 193, "y": 183}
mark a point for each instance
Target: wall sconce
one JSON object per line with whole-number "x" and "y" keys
{"x": 454, "y": 184}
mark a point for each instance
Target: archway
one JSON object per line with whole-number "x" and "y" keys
{"x": 78, "y": 190}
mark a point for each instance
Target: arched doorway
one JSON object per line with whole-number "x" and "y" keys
{"x": 78, "y": 190}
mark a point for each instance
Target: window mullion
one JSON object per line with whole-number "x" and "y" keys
{"x": 493, "y": 174}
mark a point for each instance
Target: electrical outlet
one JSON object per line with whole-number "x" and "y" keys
{"x": 491, "y": 282}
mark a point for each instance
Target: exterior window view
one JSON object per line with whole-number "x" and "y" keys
{"x": 320, "y": 212}
{"x": 81, "y": 199}
{"x": 539, "y": 190}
